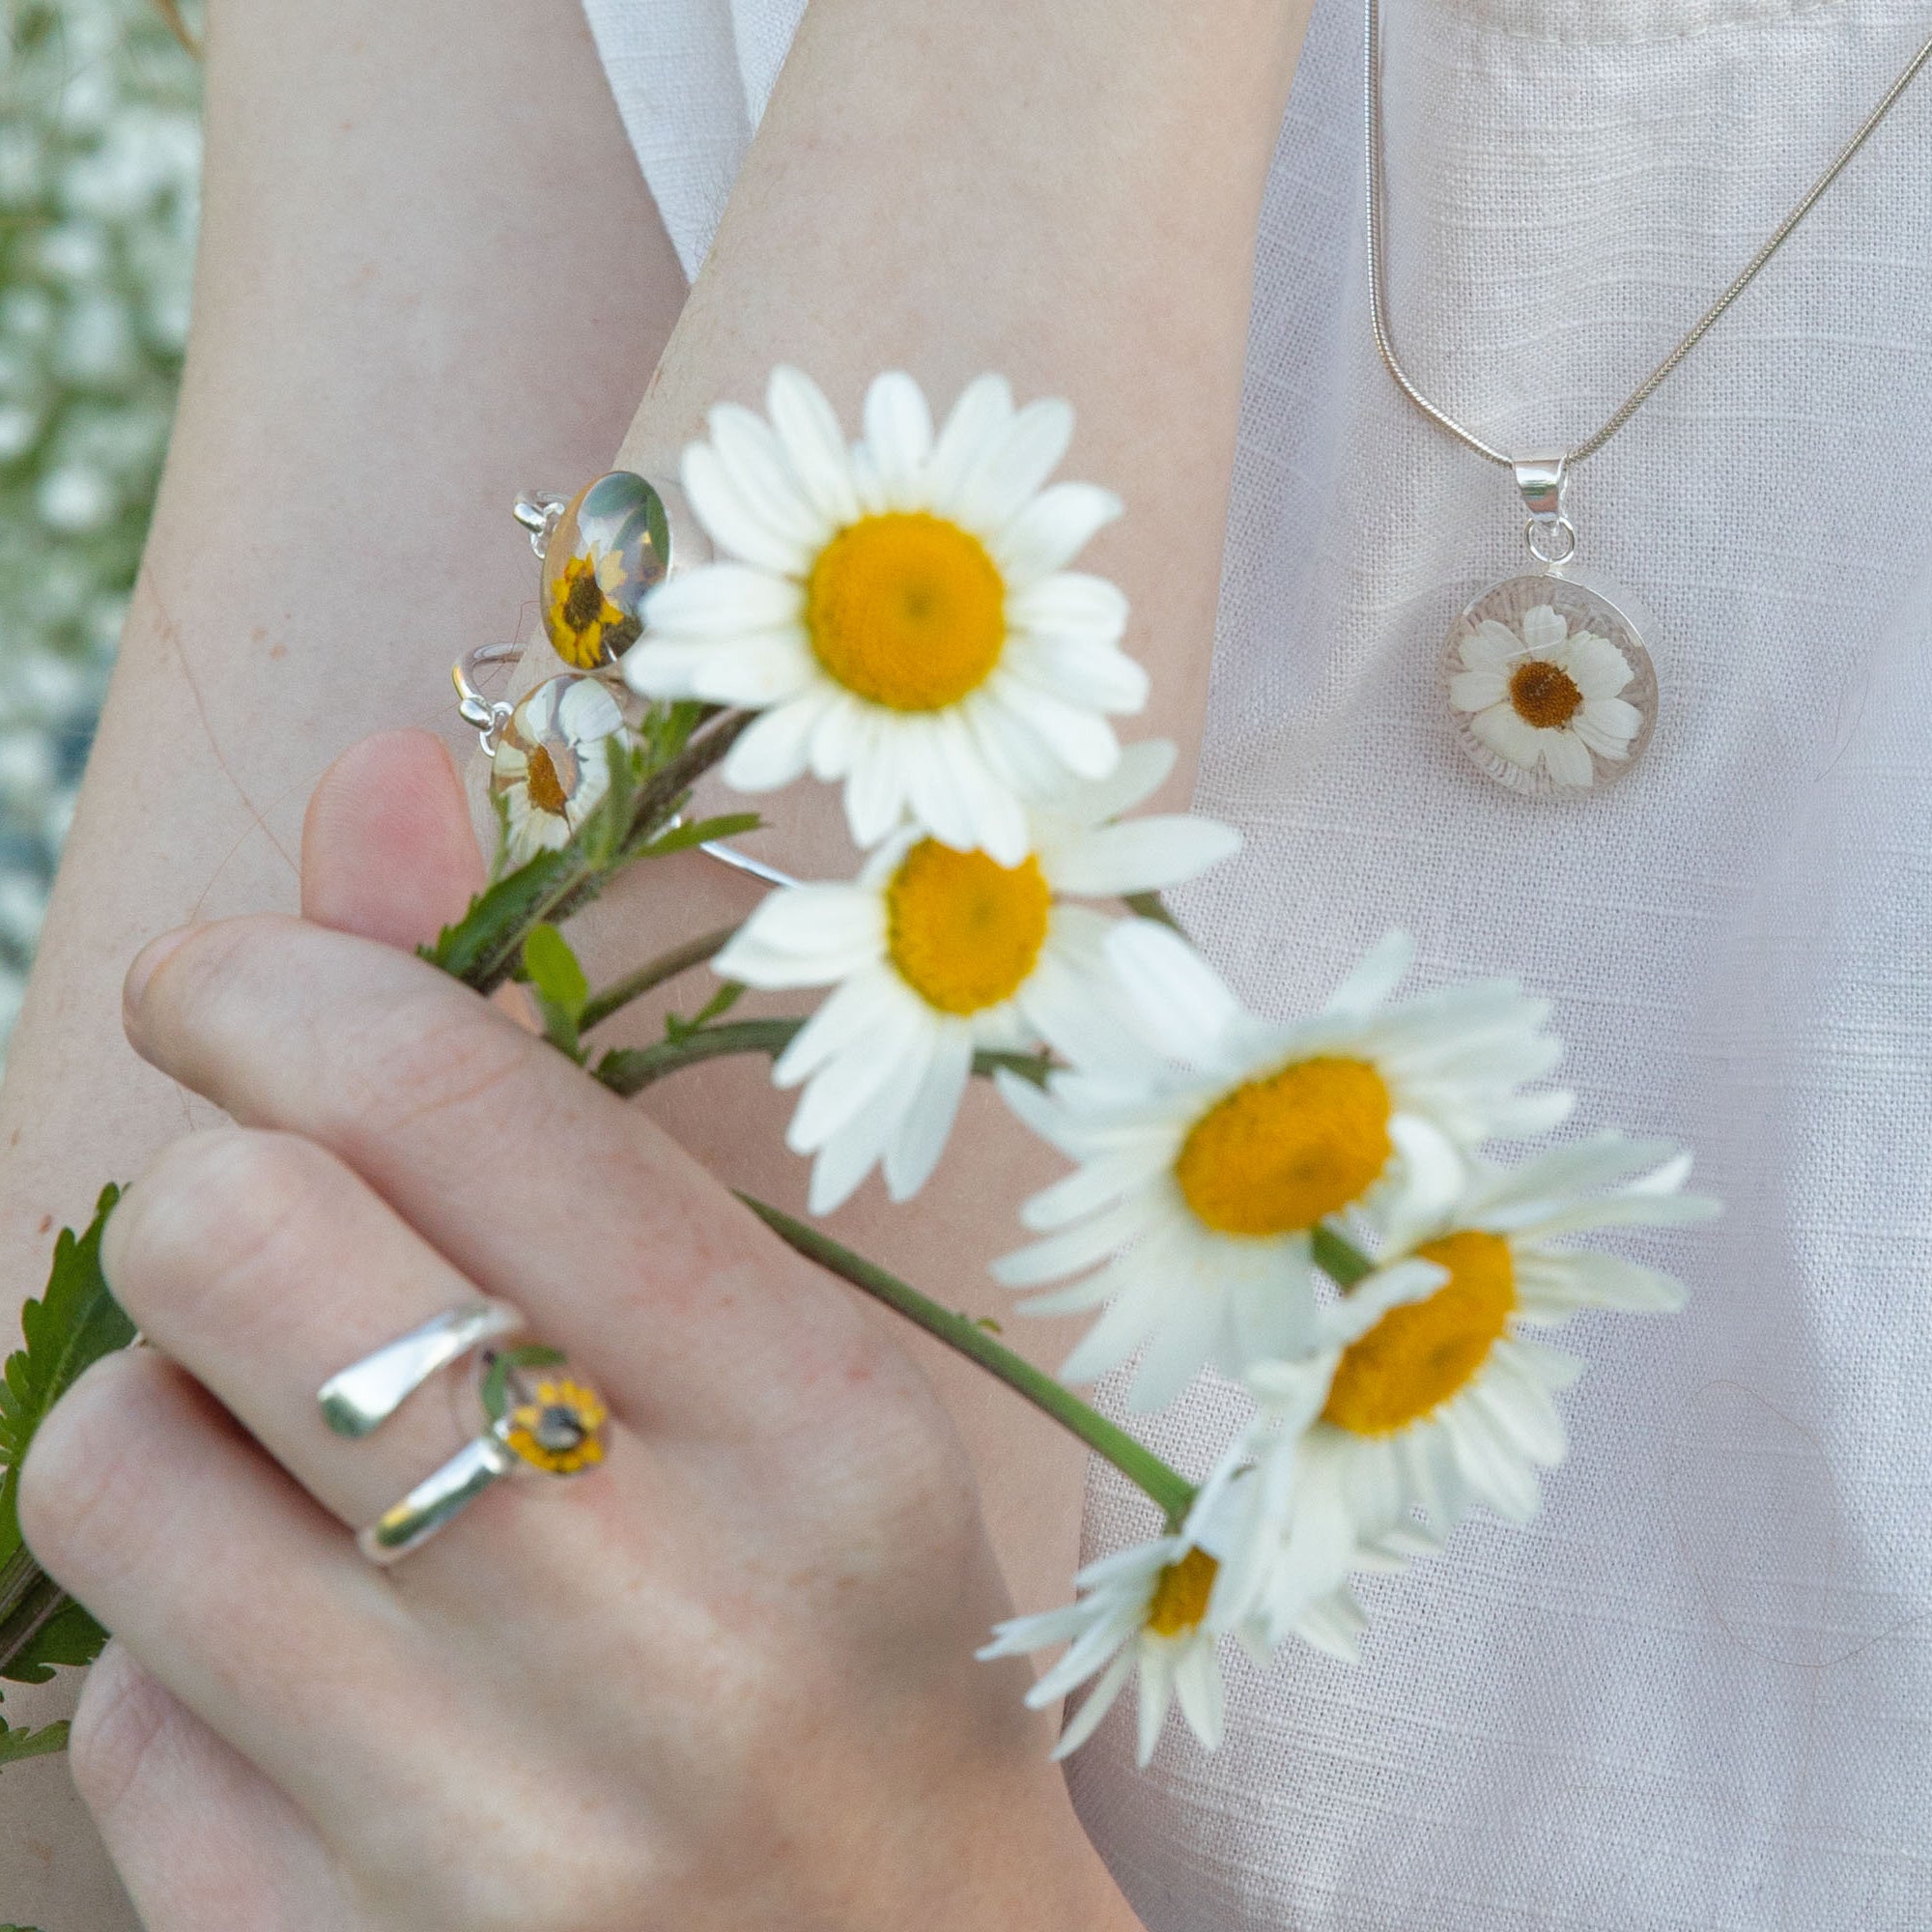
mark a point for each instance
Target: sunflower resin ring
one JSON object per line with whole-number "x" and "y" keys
{"x": 539, "y": 1419}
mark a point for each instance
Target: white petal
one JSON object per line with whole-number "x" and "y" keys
{"x": 1490, "y": 646}
{"x": 1477, "y": 689}
{"x": 772, "y": 753}
{"x": 756, "y": 672}
{"x": 1142, "y": 854}
{"x": 1141, "y": 771}
{"x": 1078, "y": 670}
{"x": 809, "y": 431}
{"x": 1375, "y": 976}
{"x": 733, "y": 518}
{"x": 875, "y": 786}
{"x": 1015, "y": 465}
{"x": 1070, "y": 603}
{"x": 805, "y": 936}
{"x": 1609, "y": 723}
{"x": 1199, "y": 1691}
{"x": 898, "y": 436}
{"x": 1568, "y": 757}
{"x": 973, "y": 427}
{"x": 1186, "y": 1003}
{"x": 1073, "y": 1250}
{"x": 1157, "y": 1690}
{"x": 587, "y": 712}
{"x": 1515, "y": 737}
{"x": 1081, "y": 739}
{"x": 1097, "y": 1702}
{"x": 721, "y": 600}
{"x": 1544, "y": 628}
{"x": 914, "y": 1153}
{"x": 1599, "y": 669}
{"x": 1051, "y": 530}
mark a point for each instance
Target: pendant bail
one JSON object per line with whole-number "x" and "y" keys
{"x": 1542, "y": 481}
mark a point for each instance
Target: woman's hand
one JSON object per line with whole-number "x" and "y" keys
{"x": 725, "y": 1681}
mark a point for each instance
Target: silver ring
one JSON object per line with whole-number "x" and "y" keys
{"x": 537, "y": 1418}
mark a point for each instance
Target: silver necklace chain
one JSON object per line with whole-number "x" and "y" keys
{"x": 1378, "y": 226}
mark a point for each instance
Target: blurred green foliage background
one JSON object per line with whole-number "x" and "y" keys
{"x": 100, "y": 163}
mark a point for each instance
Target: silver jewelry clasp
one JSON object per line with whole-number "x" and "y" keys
{"x": 540, "y": 511}
{"x": 1542, "y": 481}
{"x": 488, "y": 716}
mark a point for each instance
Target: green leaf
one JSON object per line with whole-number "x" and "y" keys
{"x": 69, "y": 1640}
{"x": 554, "y": 969}
{"x": 489, "y": 936}
{"x": 680, "y": 838}
{"x": 560, "y": 987}
{"x": 603, "y": 834}
{"x": 18, "y": 1743}
{"x": 495, "y": 1390}
{"x": 74, "y": 1323}
{"x": 43, "y": 1627}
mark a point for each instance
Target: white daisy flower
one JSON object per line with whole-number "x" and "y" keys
{"x": 1426, "y": 1395}
{"x": 1548, "y": 696}
{"x": 936, "y": 952}
{"x": 550, "y": 767}
{"x": 900, "y": 612}
{"x": 1142, "y": 1609}
{"x": 1212, "y": 1147}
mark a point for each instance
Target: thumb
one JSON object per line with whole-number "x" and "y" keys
{"x": 388, "y": 847}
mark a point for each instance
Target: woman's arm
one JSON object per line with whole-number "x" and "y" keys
{"x": 1067, "y": 196}
{"x": 393, "y": 197}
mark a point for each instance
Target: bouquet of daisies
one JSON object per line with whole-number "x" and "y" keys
{"x": 1322, "y": 1208}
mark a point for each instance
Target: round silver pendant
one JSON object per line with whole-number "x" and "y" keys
{"x": 1548, "y": 684}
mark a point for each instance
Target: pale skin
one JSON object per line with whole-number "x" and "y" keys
{"x": 363, "y": 398}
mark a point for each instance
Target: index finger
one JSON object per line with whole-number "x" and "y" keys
{"x": 539, "y": 1185}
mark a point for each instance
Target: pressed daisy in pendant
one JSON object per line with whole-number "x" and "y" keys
{"x": 936, "y": 952}
{"x": 900, "y": 611}
{"x": 1144, "y": 1610}
{"x": 1213, "y": 1144}
{"x": 559, "y": 1429}
{"x": 1427, "y": 1397}
{"x": 551, "y": 764}
{"x": 1550, "y": 686}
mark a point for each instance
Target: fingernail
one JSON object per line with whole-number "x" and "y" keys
{"x": 146, "y": 961}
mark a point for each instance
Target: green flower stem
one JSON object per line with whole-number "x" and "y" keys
{"x": 1339, "y": 1258}
{"x": 1170, "y": 1489}
{"x": 631, "y": 1069}
{"x": 654, "y": 972}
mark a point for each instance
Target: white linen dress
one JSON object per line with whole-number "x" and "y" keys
{"x": 1696, "y": 1693}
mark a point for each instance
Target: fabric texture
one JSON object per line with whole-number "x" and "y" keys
{"x": 1698, "y": 1691}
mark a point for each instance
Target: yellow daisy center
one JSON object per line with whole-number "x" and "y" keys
{"x": 1181, "y": 1594}
{"x": 1277, "y": 1154}
{"x": 1418, "y": 1356}
{"x": 906, "y": 610}
{"x": 1545, "y": 695}
{"x": 546, "y": 788}
{"x": 963, "y": 931}
{"x": 560, "y": 1429}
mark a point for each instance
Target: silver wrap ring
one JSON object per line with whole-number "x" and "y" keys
{"x": 536, "y": 1417}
